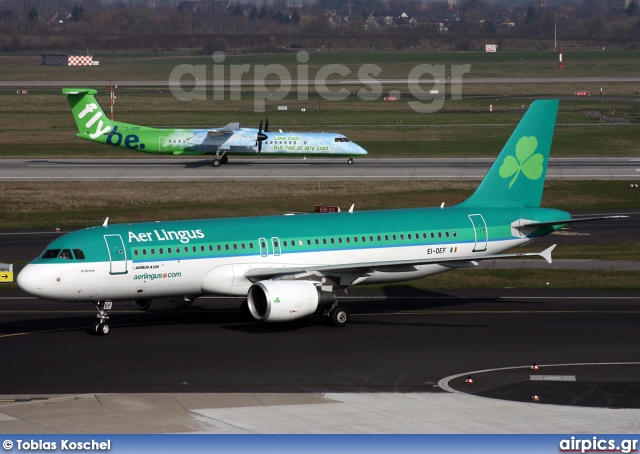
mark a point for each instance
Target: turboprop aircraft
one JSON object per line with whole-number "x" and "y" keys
{"x": 94, "y": 125}
{"x": 293, "y": 266}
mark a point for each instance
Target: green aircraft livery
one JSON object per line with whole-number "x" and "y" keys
{"x": 94, "y": 125}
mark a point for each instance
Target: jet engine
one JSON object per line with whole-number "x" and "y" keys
{"x": 160, "y": 305}
{"x": 281, "y": 301}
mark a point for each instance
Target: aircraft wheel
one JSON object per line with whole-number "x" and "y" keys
{"x": 224, "y": 160}
{"x": 350, "y": 161}
{"x": 103, "y": 329}
{"x": 339, "y": 316}
{"x": 215, "y": 163}
{"x": 325, "y": 317}
{"x": 95, "y": 327}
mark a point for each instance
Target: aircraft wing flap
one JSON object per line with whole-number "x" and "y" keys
{"x": 453, "y": 262}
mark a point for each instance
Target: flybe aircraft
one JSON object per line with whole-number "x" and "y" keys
{"x": 293, "y": 266}
{"x": 94, "y": 125}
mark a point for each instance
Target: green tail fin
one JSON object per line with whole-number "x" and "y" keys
{"x": 91, "y": 120}
{"x": 516, "y": 178}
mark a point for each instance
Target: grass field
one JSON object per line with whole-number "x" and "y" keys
{"x": 139, "y": 66}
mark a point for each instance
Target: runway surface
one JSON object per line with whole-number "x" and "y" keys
{"x": 266, "y": 169}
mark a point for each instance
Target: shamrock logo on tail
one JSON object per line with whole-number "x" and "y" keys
{"x": 526, "y": 161}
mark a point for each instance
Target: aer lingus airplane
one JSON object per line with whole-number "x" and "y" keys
{"x": 94, "y": 125}
{"x": 292, "y": 266}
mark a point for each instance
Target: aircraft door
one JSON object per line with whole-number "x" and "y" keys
{"x": 275, "y": 244}
{"x": 264, "y": 247}
{"x": 480, "y": 231}
{"x": 117, "y": 254}
{"x": 162, "y": 144}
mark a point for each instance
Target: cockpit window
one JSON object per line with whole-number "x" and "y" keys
{"x": 79, "y": 254}
{"x": 66, "y": 254}
{"x": 342, "y": 139}
{"x": 51, "y": 254}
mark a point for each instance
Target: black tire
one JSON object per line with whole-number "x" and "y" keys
{"x": 215, "y": 163}
{"x": 350, "y": 161}
{"x": 103, "y": 329}
{"x": 339, "y": 316}
{"x": 224, "y": 160}
{"x": 95, "y": 327}
{"x": 325, "y": 316}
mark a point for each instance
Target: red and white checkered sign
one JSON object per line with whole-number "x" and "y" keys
{"x": 80, "y": 60}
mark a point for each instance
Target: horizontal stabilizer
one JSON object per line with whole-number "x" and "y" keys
{"x": 79, "y": 91}
{"x": 526, "y": 223}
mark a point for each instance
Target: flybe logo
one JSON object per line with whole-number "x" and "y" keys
{"x": 526, "y": 161}
{"x": 115, "y": 138}
{"x": 101, "y": 128}
{"x": 184, "y": 236}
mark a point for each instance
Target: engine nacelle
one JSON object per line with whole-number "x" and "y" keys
{"x": 282, "y": 301}
{"x": 162, "y": 304}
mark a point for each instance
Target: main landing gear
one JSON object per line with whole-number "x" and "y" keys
{"x": 100, "y": 326}
{"x": 219, "y": 160}
{"x": 350, "y": 161}
{"x": 335, "y": 315}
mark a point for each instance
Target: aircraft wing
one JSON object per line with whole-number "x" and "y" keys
{"x": 364, "y": 268}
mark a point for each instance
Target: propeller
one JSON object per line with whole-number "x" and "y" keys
{"x": 261, "y": 134}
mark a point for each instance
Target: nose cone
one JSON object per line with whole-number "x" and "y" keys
{"x": 30, "y": 280}
{"x": 358, "y": 150}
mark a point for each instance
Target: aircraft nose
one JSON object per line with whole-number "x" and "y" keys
{"x": 360, "y": 150}
{"x": 29, "y": 280}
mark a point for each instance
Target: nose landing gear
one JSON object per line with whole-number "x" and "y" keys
{"x": 100, "y": 326}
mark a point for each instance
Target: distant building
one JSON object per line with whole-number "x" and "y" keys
{"x": 541, "y": 3}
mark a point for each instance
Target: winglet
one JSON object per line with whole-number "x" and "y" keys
{"x": 351, "y": 209}
{"x": 546, "y": 254}
{"x": 106, "y": 222}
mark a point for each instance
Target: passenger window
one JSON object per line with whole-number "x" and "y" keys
{"x": 394, "y": 237}
{"x": 324, "y": 241}
{"x": 235, "y": 247}
{"x": 79, "y": 254}
{"x": 340, "y": 240}
{"x": 333, "y": 241}
{"x": 355, "y": 239}
{"x": 455, "y": 234}
{"x": 210, "y": 248}
{"x": 439, "y": 234}
{"x": 447, "y": 234}
{"x": 219, "y": 247}
{"x": 317, "y": 242}
{"x": 386, "y": 237}
{"x": 153, "y": 252}
{"x": 135, "y": 252}
{"x": 144, "y": 252}
{"x": 244, "y": 247}
{"x": 348, "y": 240}
{"x": 402, "y": 236}
{"x": 226, "y": 246}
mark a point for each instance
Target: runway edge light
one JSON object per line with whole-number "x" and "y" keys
{"x": 534, "y": 366}
{"x": 535, "y": 398}
{"x": 469, "y": 380}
